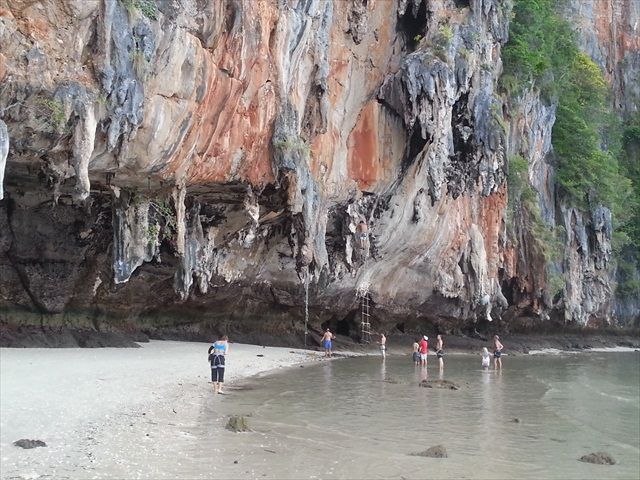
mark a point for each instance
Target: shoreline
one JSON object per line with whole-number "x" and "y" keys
{"x": 112, "y": 412}
{"x": 516, "y": 343}
{"x": 92, "y": 406}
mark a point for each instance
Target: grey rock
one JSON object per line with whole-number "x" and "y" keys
{"x": 25, "y": 443}
{"x": 443, "y": 384}
{"x": 598, "y": 458}
{"x": 437, "y": 451}
{"x": 238, "y": 424}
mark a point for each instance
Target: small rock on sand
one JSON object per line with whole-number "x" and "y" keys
{"x": 446, "y": 384}
{"x": 437, "y": 451}
{"x": 237, "y": 424}
{"x": 26, "y": 443}
{"x": 599, "y": 458}
{"x": 515, "y": 420}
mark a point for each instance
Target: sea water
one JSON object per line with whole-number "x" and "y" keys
{"x": 365, "y": 417}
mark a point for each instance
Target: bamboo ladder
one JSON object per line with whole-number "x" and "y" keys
{"x": 365, "y": 322}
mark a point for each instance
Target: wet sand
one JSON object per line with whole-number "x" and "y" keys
{"x": 124, "y": 413}
{"x": 113, "y": 413}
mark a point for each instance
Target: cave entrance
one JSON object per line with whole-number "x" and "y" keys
{"x": 507, "y": 286}
{"x": 461, "y": 172}
{"x": 414, "y": 147}
{"x": 414, "y": 24}
{"x": 343, "y": 327}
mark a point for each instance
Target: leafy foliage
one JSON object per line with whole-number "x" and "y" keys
{"x": 587, "y": 172}
{"x": 148, "y": 8}
{"x": 54, "y": 114}
{"x": 596, "y": 156}
{"x": 540, "y": 50}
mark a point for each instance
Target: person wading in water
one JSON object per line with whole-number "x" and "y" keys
{"x": 327, "y": 342}
{"x": 497, "y": 361}
{"x": 440, "y": 351}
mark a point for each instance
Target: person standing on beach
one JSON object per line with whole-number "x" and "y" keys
{"x": 327, "y": 343}
{"x": 383, "y": 345}
{"x": 424, "y": 349}
{"x": 497, "y": 361}
{"x": 440, "y": 351}
{"x": 217, "y": 352}
{"x": 416, "y": 352}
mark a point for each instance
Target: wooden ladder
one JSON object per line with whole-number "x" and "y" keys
{"x": 365, "y": 318}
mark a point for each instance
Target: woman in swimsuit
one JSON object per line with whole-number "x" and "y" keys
{"x": 497, "y": 361}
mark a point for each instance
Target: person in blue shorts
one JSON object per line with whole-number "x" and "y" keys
{"x": 327, "y": 342}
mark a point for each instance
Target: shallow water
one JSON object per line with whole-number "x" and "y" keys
{"x": 362, "y": 417}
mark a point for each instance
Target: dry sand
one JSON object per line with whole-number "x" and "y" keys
{"x": 113, "y": 413}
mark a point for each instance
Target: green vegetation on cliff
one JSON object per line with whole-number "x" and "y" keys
{"x": 542, "y": 54}
{"x": 595, "y": 159}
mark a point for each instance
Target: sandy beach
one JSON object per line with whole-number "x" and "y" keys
{"x": 114, "y": 413}
{"x": 150, "y": 412}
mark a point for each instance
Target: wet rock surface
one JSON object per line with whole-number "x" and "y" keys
{"x": 238, "y": 424}
{"x": 443, "y": 384}
{"x": 598, "y": 458}
{"x": 26, "y": 443}
{"x": 437, "y": 451}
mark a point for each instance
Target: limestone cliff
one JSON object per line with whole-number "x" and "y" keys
{"x": 190, "y": 164}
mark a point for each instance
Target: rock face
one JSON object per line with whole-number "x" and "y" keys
{"x": 187, "y": 166}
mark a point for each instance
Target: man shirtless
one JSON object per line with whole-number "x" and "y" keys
{"x": 383, "y": 345}
{"x": 497, "y": 361}
{"x": 326, "y": 342}
{"x": 439, "y": 350}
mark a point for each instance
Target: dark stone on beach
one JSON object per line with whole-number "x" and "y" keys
{"x": 238, "y": 424}
{"x": 235, "y": 461}
{"x": 515, "y": 420}
{"x": 599, "y": 458}
{"x": 437, "y": 451}
{"x": 26, "y": 443}
{"x": 445, "y": 384}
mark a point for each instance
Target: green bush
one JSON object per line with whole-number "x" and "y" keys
{"x": 596, "y": 154}
{"x": 148, "y": 8}
{"x": 540, "y": 49}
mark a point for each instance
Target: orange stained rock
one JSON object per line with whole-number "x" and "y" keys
{"x": 612, "y": 18}
{"x": 490, "y": 222}
{"x": 230, "y": 128}
{"x": 34, "y": 27}
{"x": 363, "y": 156}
